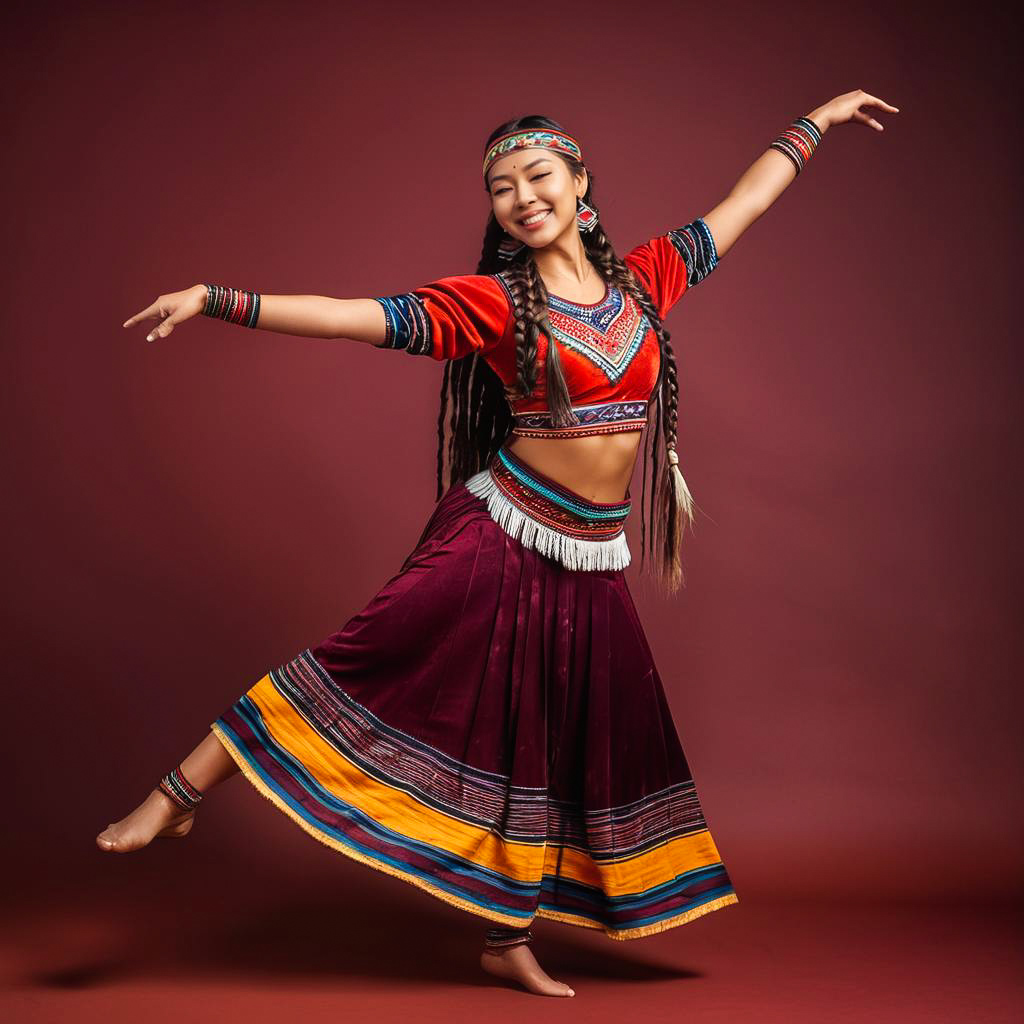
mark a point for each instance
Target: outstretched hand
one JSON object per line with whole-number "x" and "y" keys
{"x": 846, "y": 108}
{"x": 171, "y": 310}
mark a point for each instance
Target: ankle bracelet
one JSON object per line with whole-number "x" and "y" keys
{"x": 180, "y": 790}
{"x": 505, "y": 938}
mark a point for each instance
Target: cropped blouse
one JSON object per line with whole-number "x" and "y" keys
{"x": 609, "y": 350}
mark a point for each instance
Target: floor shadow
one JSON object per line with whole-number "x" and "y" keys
{"x": 379, "y": 939}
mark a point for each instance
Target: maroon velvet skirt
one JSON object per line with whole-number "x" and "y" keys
{"x": 491, "y": 728}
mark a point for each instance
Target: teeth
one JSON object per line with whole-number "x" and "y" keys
{"x": 536, "y": 217}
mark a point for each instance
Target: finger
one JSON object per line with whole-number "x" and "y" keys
{"x": 157, "y": 332}
{"x": 875, "y": 101}
{"x": 864, "y": 119}
{"x": 174, "y": 317}
{"x": 147, "y": 314}
{"x": 165, "y": 328}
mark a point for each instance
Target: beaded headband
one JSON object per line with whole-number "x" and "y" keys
{"x": 544, "y": 138}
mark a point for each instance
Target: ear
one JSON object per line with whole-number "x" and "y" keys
{"x": 582, "y": 184}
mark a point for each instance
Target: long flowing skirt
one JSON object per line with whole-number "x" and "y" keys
{"x": 492, "y": 729}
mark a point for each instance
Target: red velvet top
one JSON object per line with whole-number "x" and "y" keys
{"x": 610, "y": 354}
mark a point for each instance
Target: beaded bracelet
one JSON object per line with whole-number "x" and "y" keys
{"x": 798, "y": 142}
{"x": 236, "y": 305}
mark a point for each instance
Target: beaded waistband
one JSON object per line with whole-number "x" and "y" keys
{"x": 604, "y": 418}
{"x": 550, "y": 518}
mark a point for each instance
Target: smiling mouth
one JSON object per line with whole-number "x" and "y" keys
{"x": 534, "y": 219}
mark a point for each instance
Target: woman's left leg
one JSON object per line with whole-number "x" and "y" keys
{"x": 171, "y": 805}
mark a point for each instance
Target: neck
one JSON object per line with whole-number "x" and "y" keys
{"x": 564, "y": 262}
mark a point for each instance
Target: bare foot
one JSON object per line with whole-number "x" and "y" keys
{"x": 157, "y": 815}
{"x": 519, "y": 964}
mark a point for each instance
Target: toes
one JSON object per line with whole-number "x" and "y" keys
{"x": 107, "y": 839}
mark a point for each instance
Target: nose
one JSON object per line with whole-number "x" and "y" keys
{"x": 525, "y": 196}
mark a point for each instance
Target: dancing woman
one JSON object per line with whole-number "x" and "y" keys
{"x": 491, "y": 727}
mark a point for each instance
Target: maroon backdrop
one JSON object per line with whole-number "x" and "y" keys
{"x": 843, "y": 665}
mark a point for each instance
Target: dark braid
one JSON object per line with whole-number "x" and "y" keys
{"x": 669, "y": 509}
{"x": 481, "y": 418}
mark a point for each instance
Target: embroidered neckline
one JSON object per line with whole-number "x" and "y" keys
{"x": 608, "y": 334}
{"x": 583, "y": 305}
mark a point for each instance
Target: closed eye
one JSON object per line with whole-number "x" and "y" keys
{"x": 534, "y": 178}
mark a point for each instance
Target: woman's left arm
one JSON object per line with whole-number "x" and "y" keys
{"x": 777, "y": 168}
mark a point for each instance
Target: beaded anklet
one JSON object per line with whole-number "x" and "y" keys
{"x": 180, "y": 790}
{"x": 497, "y": 939}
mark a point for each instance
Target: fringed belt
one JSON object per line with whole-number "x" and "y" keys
{"x": 551, "y": 519}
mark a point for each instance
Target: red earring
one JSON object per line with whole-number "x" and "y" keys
{"x": 586, "y": 216}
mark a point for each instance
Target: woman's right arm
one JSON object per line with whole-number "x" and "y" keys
{"x": 309, "y": 316}
{"x": 319, "y": 316}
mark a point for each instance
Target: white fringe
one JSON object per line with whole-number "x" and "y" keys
{"x": 570, "y": 551}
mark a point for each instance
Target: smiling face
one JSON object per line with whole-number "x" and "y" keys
{"x": 535, "y": 181}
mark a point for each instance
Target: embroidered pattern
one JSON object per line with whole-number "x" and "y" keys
{"x": 469, "y": 837}
{"x": 449, "y": 786}
{"x": 558, "y": 141}
{"x": 503, "y": 281}
{"x": 608, "y": 334}
{"x": 559, "y": 523}
{"x": 406, "y": 324}
{"x": 697, "y": 248}
{"x": 604, "y": 418}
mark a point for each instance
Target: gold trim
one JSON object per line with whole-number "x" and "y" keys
{"x": 643, "y": 930}
{"x": 334, "y": 844}
{"x": 456, "y": 901}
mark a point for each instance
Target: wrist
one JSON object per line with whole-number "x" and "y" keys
{"x": 236, "y": 305}
{"x": 799, "y": 141}
{"x": 820, "y": 117}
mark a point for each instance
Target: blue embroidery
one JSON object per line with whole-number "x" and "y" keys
{"x": 697, "y": 248}
{"x": 601, "y": 414}
{"x": 585, "y": 511}
{"x": 406, "y": 324}
{"x": 609, "y": 334}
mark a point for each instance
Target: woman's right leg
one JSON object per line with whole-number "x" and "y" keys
{"x": 161, "y": 814}
{"x": 507, "y": 955}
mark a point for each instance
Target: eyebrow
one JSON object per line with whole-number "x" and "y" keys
{"x": 532, "y": 163}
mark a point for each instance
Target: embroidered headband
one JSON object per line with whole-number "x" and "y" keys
{"x": 544, "y": 138}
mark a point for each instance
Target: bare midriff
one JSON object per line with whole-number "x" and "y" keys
{"x": 598, "y": 467}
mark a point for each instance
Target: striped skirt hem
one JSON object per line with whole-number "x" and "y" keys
{"x": 381, "y": 798}
{"x": 265, "y": 786}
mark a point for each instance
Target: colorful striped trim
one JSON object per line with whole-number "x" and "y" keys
{"x": 603, "y": 418}
{"x": 601, "y": 519}
{"x": 697, "y": 248}
{"x": 466, "y": 836}
{"x": 547, "y": 517}
{"x": 406, "y": 324}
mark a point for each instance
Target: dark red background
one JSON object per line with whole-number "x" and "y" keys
{"x": 844, "y": 664}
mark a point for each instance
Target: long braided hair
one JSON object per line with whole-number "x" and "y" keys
{"x": 481, "y": 419}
